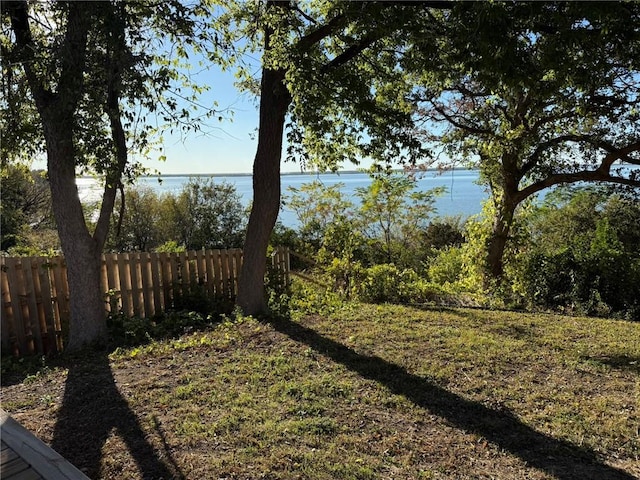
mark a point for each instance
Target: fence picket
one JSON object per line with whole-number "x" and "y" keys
{"x": 49, "y": 318}
{"x": 208, "y": 265}
{"x": 146, "y": 284}
{"x": 237, "y": 267}
{"x": 9, "y": 340}
{"x": 57, "y": 294}
{"x": 224, "y": 263}
{"x": 194, "y": 278}
{"x": 202, "y": 268}
{"x": 165, "y": 273}
{"x": 125, "y": 284}
{"x": 21, "y": 311}
{"x": 217, "y": 272}
{"x": 35, "y": 292}
{"x": 114, "y": 295}
{"x": 176, "y": 276}
{"x": 156, "y": 282}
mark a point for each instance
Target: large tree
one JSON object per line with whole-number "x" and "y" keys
{"x": 87, "y": 69}
{"x": 534, "y": 95}
{"x": 320, "y": 70}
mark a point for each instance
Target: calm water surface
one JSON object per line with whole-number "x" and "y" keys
{"x": 463, "y": 196}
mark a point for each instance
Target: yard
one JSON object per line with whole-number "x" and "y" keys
{"x": 363, "y": 392}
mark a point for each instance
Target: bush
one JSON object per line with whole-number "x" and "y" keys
{"x": 444, "y": 232}
{"x": 386, "y": 283}
{"x": 586, "y": 258}
{"x": 446, "y": 267}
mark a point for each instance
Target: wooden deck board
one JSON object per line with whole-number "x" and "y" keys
{"x": 26, "y": 457}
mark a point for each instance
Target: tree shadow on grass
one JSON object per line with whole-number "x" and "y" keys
{"x": 556, "y": 457}
{"x": 630, "y": 363}
{"x": 93, "y": 407}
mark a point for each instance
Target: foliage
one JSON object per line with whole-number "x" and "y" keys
{"x": 444, "y": 232}
{"x": 317, "y": 206}
{"x": 393, "y": 213}
{"x": 170, "y": 246}
{"x": 136, "y": 225}
{"x": 386, "y": 283}
{"x": 447, "y": 267}
{"x": 26, "y": 205}
{"x": 522, "y": 111}
{"x": 586, "y": 255}
{"x": 386, "y": 224}
{"x": 204, "y": 214}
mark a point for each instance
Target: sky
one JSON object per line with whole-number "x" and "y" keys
{"x": 226, "y": 147}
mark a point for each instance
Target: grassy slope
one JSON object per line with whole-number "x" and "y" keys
{"x": 367, "y": 392}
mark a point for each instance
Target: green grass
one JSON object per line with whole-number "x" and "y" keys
{"x": 363, "y": 392}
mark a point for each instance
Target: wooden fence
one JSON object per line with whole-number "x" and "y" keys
{"x": 35, "y": 292}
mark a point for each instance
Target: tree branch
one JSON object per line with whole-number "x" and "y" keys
{"x": 19, "y": 14}
{"x": 467, "y": 128}
{"x": 349, "y": 54}
{"x": 314, "y": 37}
{"x": 582, "y": 176}
{"x": 113, "y": 179}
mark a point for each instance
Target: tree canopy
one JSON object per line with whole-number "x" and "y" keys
{"x": 534, "y": 95}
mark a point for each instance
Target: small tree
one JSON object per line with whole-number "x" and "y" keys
{"x": 393, "y": 212}
{"x": 206, "y": 214}
{"x": 317, "y": 206}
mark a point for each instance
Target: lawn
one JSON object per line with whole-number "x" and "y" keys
{"x": 365, "y": 392}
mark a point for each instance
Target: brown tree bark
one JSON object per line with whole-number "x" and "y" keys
{"x": 57, "y": 110}
{"x": 497, "y": 241}
{"x": 81, "y": 251}
{"x": 274, "y": 102}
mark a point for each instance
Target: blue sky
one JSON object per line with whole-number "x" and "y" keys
{"x": 226, "y": 147}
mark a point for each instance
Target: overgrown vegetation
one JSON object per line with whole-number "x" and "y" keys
{"x": 578, "y": 251}
{"x": 203, "y": 214}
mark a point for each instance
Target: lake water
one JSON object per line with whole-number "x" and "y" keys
{"x": 463, "y": 196}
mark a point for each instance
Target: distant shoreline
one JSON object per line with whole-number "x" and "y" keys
{"x": 311, "y": 174}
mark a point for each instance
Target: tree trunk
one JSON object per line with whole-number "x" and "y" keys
{"x": 57, "y": 111}
{"x": 82, "y": 253}
{"x": 498, "y": 240}
{"x": 274, "y": 102}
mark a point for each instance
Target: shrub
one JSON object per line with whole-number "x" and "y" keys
{"x": 586, "y": 258}
{"x": 446, "y": 267}
{"x": 386, "y": 283}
